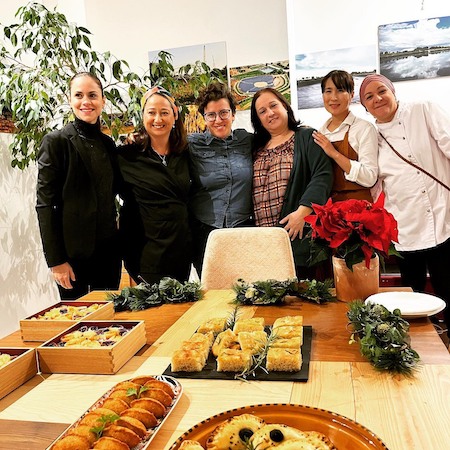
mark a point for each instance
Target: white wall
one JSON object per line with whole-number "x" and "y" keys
{"x": 25, "y": 284}
{"x": 255, "y": 31}
{"x": 326, "y": 25}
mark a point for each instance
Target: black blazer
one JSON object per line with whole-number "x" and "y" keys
{"x": 66, "y": 201}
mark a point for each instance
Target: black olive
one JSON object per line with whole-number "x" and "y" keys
{"x": 276, "y": 435}
{"x": 245, "y": 434}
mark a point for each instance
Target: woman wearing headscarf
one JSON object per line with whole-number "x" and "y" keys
{"x": 351, "y": 142}
{"x": 156, "y": 182}
{"x": 414, "y": 170}
{"x": 75, "y": 197}
{"x": 290, "y": 171}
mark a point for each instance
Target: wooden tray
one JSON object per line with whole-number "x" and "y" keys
{"x": 104, "y": 360}
{"x": 43, "y": 330}
{"x": 210, "y": 372}
{"x": 17, "y": 371}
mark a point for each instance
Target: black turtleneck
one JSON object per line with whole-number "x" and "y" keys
{"x": 102, "y": 176}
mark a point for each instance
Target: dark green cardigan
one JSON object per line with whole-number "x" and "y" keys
{"x": 310, "y": 182}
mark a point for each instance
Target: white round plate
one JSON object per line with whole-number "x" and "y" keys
{"x": 411, "y": 304}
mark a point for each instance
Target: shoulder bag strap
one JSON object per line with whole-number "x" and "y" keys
{"x": 414, "y": 165}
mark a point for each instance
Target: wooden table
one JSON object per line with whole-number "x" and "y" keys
{"x": 406, "y": 413}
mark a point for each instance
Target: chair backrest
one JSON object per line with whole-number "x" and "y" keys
{"x": 250, "y": 253}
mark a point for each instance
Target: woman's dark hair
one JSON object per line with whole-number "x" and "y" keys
{"x": 177, "y": 138}
{"x": 86, "y": 74}
{"x": 341, "y": 79}
{"x": 262, "y": 136}
{"x": 212, "y": 93}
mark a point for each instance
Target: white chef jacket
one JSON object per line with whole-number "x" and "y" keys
{"x": 419, "y": 131}
{"x": 363, "y": 139}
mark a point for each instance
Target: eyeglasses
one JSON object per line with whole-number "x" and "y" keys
{"x": 223, "y": 114}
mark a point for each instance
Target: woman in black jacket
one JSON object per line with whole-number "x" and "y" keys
{"x": 75, "y": 197}
{"x": 154, "y": 217}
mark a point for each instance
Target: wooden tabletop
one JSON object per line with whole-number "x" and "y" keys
{"x": 406, "y": 413}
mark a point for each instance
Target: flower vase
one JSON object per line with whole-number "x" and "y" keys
{"x": 357, "y": 284}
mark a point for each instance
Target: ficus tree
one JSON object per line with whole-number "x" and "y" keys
{"x": 39, "y": 55}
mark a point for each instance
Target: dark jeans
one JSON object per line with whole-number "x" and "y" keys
{"x": 414, "y": 266}
{"x": 200, "y": 232}
{"x": 101, "y": 271}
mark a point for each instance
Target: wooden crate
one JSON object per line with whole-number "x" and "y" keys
{"x": 104, "y": 360}
{"x": 17, "y": 371}
{"x": 42, "y": 330}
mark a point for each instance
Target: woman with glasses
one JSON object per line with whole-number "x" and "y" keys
{"x": 349, "y": 141}
{"x": 154, "y": 217}
{"x": 290, "y": 172}
{"x": 221, "y": 169}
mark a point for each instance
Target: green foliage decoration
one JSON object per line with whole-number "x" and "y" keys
{"x": 145, "y": 295}
{"x": 383, "y": 337}
{"x": 273, "y": 292}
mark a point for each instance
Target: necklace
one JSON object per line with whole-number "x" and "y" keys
{"x": 161, "y": 157}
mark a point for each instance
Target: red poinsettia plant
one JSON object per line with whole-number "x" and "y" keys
{"x": 355, "y": 230}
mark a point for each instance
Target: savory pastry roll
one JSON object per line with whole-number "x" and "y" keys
{"x": 234, "y": 433}
{"x": 150, "y": 404}
{"x": 160, "y": 385}
{"x": 144, "y": 416}
{"x": 253, "y": 324}
{"x": 72, "y": 441}
{"x": 284, "y": 360}
{"x": 288, "y": 321}
{"x": 252, "y": 341}
{"x": 110, "y": 443}
{"x": 122, "y": 434}
{"x": 233, "y": 360}
{"x": 274, "y": 434}
{"x": 191, "y": 445}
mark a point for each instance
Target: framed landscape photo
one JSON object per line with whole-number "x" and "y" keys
{"x": 415, "y": 50}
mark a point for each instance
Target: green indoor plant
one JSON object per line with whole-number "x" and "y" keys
{"x": 39, "y": 55}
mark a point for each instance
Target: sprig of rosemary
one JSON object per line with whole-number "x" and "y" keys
{"x": 146, "y": 295}
{"x": 258, "y": 359}
{"x": 273, "y": 292}
{"x": 383, "y": 337}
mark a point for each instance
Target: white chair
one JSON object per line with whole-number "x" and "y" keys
{"x": 250, "y": 253}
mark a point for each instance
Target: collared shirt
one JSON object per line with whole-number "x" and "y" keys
{"x": 272, "y": 169}
{"x": 362, "y": 137}
{"x": 221, "y": 171}
{"x": 419, "y": 131}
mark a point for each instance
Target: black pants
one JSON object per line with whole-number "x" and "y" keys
{"x": 200, "y": 232}
{"x": 101, "y": 271}
{"x": 414, "y": 266}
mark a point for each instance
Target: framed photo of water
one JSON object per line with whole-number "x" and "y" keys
{"x": 415, "y": 50}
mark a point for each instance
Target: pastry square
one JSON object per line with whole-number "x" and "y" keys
{"x": 295, "y": 342}
{"x": 288, "y": 321}
{"x": 226, "y": 339}
{"x": 288, "y": 332}
{"x": 253, "y": 324}
{"x": 284, "y": 360}
{"x": 233, "y": 360}
{"x": 252, "y": 341}
{"x": 187, "y": 361}
{"x": 197, "y": 346}
{"x": 202, "y": 337}
{"x": 215, "y": 325}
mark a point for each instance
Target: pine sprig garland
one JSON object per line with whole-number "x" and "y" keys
{"x": 145, "y": 295}
{"x": 273, "y": 292}
{"x": 383, "y": 337}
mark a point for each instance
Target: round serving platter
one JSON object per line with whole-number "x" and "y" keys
{"x": 342, "y": 431}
